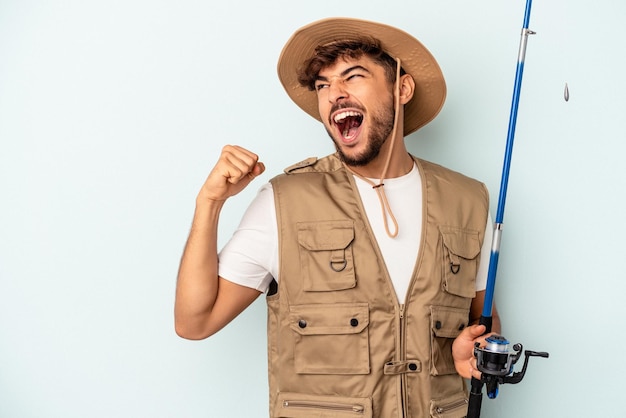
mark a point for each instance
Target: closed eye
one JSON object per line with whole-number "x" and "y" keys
{"x": 320, "y": 86}
{"x": 350, "y": 74}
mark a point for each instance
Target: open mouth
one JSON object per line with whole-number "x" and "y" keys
{"x": 348, "y": 123}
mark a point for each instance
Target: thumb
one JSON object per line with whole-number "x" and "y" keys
{"x": 475, "y": 331}
{"x": 257, "y": 170}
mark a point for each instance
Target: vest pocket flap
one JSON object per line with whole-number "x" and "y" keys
{"x": 461, "y": 242}
{"x": 448, "y": 322}
{"x": 335, "y": 319}
{"x": 325, "y": 236}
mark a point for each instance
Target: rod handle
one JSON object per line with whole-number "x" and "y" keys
{"x": 487, "y": 321}
{"x": 475, "y": 399}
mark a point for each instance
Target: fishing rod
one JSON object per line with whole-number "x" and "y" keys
{"x": 495, "y": 361}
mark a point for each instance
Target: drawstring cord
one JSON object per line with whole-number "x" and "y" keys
{"x": 379, "y": 188}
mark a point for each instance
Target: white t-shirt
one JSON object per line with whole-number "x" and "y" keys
{"x": 250, "y": 258}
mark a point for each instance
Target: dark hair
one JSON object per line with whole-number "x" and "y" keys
{"x": 326, "y": 55}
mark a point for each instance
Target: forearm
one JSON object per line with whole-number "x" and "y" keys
{"x": 476, "y": 310}
{"x": 197, "y": 284}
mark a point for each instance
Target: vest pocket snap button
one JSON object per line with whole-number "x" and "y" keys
{"x": 354, "y": 322}
{"x": 302, "y": 323}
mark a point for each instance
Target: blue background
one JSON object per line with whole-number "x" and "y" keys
{"x": 112, "y": 114}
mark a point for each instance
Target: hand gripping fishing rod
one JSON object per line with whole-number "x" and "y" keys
{"x": 495, "y": 361}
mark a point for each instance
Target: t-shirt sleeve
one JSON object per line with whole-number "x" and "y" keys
{"x": 485, "y": 255}
{"x": 249, "y": 258}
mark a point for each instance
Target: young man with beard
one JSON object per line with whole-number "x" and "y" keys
{"x": 374, "y": 261}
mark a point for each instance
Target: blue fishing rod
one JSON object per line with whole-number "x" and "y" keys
{"x": 495, "y": 361}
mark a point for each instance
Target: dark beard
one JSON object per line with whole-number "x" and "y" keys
{"x": 382, "y": 127}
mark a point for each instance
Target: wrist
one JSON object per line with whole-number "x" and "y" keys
{"x": 207, "y": 209}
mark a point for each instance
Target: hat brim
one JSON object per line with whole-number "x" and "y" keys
{"x": 430, "y": 86}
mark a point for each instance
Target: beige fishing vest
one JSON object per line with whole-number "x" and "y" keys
{"x": 340, "y": 344}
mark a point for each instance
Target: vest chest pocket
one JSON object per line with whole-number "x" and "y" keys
{"x": 461, "y": 248}
{"x": 326, "y": 255}
{"x": 331, "y": 338}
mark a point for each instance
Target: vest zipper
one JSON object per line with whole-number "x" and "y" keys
{"x": 330, "y": 406}
{"x": 402, "y": 357}
{"x": 451, "y": 406}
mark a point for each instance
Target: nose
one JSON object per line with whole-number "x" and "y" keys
{"x": 337, "y": 91}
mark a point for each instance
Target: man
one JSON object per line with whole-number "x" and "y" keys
{"x": 370, "y": 257}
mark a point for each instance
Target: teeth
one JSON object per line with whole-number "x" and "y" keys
{"x": 341, "y": 116}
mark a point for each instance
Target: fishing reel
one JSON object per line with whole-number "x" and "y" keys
{"x": 496, "y": 362}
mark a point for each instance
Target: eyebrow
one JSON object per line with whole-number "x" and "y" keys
{"x": 344, "y": 72}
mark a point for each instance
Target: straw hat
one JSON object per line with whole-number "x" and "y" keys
{"x": 430, "y": 86}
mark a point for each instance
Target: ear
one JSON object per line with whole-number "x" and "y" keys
{"x": 407, "y": 88}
